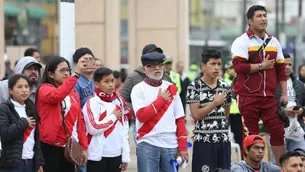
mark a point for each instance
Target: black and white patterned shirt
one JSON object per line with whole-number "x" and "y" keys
{"x": 213, "y": 128}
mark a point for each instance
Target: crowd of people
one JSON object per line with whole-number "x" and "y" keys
{"x": 47, "y": 108}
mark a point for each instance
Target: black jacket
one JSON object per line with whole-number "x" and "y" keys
{"x": 299, "y": 96}
{"x": 12, "y": 129}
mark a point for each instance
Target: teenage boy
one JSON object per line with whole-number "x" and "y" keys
{"x": 210, "y": 100}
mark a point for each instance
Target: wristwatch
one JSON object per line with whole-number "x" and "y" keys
{"x": 76, "y": 75}
{"x": 260, "y": 67}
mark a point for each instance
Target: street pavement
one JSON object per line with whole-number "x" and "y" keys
{"x": 132, "y": 166}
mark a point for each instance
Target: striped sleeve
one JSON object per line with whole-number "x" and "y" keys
{"x": 125, "y": 139}
{"x": 81, "y": 131}
{"x": 239, "y": 49}
{"x": 91, "y": 112}
{"x": 280, "y": 56}
{"x": 280, "y": 63}
{"x": 240, "y": 56}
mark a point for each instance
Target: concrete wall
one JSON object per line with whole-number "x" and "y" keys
{"x": 15, "y": 53}
{"x": 1, "y": 39}
{"x": 164, "y": 23}
{"x": 97, "y": 26}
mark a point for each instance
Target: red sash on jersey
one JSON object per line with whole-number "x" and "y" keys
{"x": 27, "y": 133}
{"x": 148, "y": 126}
{"x": 109, "y": 130}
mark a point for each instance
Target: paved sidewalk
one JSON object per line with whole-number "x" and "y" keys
{"x": 133, "y": 164}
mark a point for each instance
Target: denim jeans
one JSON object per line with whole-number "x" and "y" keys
{"x": 26, "y": 166}
{"x": 82, "y": 168}
{"x": 151, "y": 158}
{"x": 292, "y": 145}
{"x": 134, "y": 129}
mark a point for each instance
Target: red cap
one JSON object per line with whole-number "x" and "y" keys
{"x": 250, "y": 140}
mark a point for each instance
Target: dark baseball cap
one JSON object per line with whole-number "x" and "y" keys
{"x": 150, "y": 48}
{"x": 33, "y": 64}
{"x": 300, "y": 151}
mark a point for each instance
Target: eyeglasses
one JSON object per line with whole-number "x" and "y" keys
{"x": 63, "y": 70}
{"x": 155, "y": 65}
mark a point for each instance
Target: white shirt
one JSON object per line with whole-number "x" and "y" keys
{"x": 290, "y": 94}
{"x": 163, "y": 134}
{"x": 29, "y": 141}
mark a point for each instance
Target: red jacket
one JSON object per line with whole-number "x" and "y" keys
{"x": 265, "y": 82}
{"x": 49, "y": 108}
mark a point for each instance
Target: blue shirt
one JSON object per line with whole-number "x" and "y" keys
{"x": 85, "y": 89}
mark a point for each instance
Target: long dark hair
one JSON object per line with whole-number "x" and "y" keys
{"x": 30, "y": 108}
{"x": 51, "y": 67}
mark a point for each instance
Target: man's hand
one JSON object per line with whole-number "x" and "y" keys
{"x": 184, "y": 156}
{"x": 220, "y": 98}
{"x": 268, "y": 63}
{"x": 165, "y": 94}
{"x": 292, "y": 113}
{"x": 40, "y": 169}
{"x": 284, "y": 99}
{"x": 300, "y": 111}
{"x": 124, "y": 166}
{"x": 85, "y": 157}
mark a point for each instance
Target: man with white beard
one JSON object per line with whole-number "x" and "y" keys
{"x": 161, "y": 132}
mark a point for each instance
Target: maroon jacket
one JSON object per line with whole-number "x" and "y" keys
{"x": 262, "y": 83}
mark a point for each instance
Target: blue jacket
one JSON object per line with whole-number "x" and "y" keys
{"x": 264, "y": 167}
{"x": 84, "y": 88}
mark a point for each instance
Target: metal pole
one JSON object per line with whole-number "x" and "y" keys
{"x": 283, "y": 16}
{"x": 2, "y": 42}
{"x": 67, "y": 30}
{"x": 300, "y": 8}
{"x": 277, "y": 18}
{"x": 299, "y": 42}
{"x": 244, "y": 18}
{"x": 208, "y": 14}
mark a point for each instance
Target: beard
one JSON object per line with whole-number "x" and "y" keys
{"x": 34, "y": 81}
{"x": 153, "y": 77}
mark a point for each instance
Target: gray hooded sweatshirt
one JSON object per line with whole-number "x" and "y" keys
{"x": 264, "y": 167}
{"x": 19, "y": 68}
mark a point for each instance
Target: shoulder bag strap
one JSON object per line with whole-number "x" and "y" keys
{"x": 260, "y": 48}
{"x": 63, "y": 118}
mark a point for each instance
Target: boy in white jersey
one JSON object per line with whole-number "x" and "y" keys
{"x": 161, "y": 132}
{"x": 106, "y": 120}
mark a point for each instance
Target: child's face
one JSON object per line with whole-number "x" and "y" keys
{"x": 106, "y": 84}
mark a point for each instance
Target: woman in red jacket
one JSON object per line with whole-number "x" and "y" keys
{"x": 55, "y": 95}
